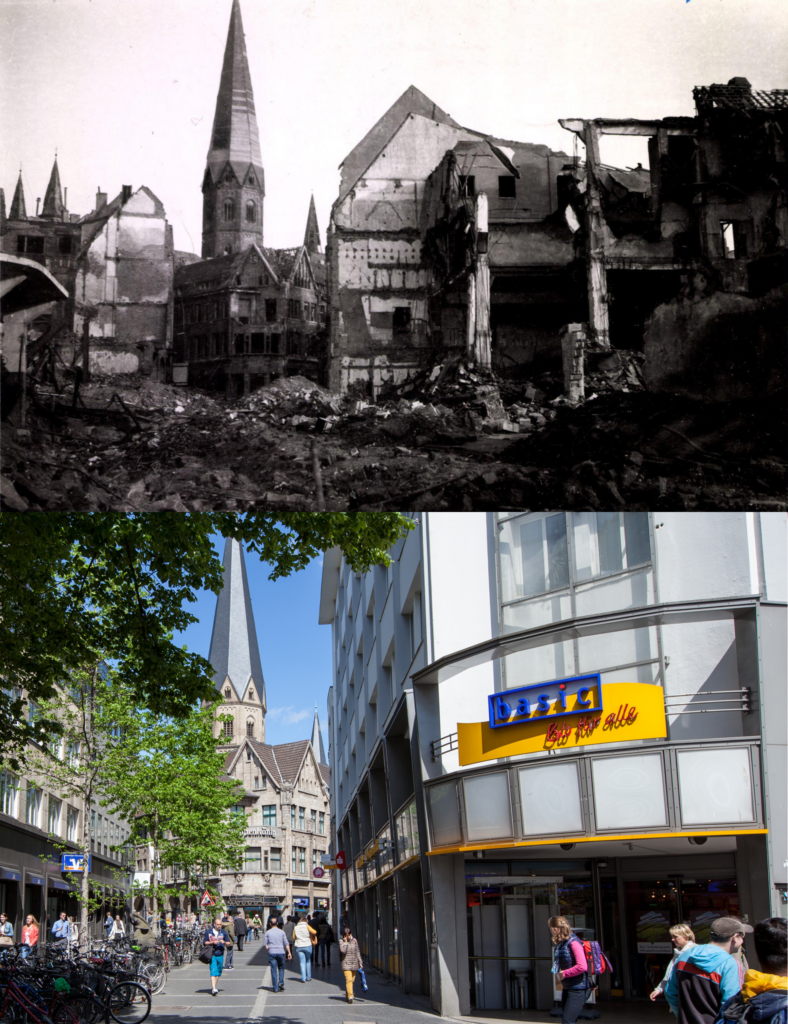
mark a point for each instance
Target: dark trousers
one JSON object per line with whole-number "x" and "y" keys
{"x": 572, "y": 1001}
{"x": 277, "y": 962}
{"x": 325, "y": 950}
{"x": 240, "y": 940}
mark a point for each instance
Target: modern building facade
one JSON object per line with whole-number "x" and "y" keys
{"x": 575, "y": 713}
{"x": 285, "y": 786}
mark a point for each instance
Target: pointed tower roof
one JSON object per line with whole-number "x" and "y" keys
{"x": 234, "y": 652}
{"x": 235, "y": 138}
{"x": 317, "y": 741}
{"x": 53, "y": 200}
{"x": 312, "y": 233}
{"x": 18, "y": 210}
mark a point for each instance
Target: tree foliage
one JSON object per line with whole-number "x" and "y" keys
{"x": 75, "y": 586}
{"x": 166, "y": 778}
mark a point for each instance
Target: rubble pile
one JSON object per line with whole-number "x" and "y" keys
{"x": 449, "y": 438}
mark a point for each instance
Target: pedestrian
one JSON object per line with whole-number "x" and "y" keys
{"x": 60, "y": 931}
{"x": 6, "y": 931}
{"x": 118, "y": 931}
{"x": 257, "y": 924}
{"x": 313, "y": 923}
{"x": 239, "y": 924}
{"x": 705, "y": 977}
{"x": 108, "y": 922}
{"x": 218, "y": 938}
{"x": 290, "y": 928}
{"x": 764, "y": 995}
{"x": 324, "y": 947}
{"x": 227, "y": 924}
{"x": 682, "y": 936}
{"x": 277, "y": 947}
{"x": 350, "y": 958}
{"x": 571, "y": 968}
{"x": 29, "y": 936}
{"x": 303, "y": 934}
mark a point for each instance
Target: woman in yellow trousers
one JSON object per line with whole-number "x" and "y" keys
{"x": 350, "y": 958}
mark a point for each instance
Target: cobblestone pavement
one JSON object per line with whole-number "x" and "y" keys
{"x": 245, "y": 996}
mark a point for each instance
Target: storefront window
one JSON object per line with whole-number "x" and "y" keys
{"x": 550, "y": 799}
{"x": 715, "y": 786}
{"x": 629, "y": 792}
{"x": 444, "y": 814}
{"x": 488, "y": 813}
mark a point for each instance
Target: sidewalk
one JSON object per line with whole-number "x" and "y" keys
{"x": 245, "y": 995}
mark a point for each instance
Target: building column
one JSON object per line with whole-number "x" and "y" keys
{"x": 599, "y": 321}
{"x": 482, "y": 349}
{"x": 470, "y": 323}
{"x": 449, "y": 974}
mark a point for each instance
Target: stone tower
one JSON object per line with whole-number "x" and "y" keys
{"x": 312, "y": 233}
{"x": 234, "y": 185}
{"x": 235, "y": 656}
{"x": 53, "y": 207}
{"x": 18, "y": 209}
{"x": 317, "y": 741}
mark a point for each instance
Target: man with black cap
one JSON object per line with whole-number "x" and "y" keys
{"x": 707, "y": 976}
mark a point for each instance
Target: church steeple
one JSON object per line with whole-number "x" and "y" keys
{"x": 317, "y": 741}
{"x": 53, "y": 199}
{"x": 312, "y": 233}
{"x": 234, "y": 182}
{"x": 234, "y": 654}
{"x": 18, "y": 210}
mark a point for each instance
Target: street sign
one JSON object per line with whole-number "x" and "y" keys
{"x": 318, "y": 872}
{"x": 73, "y": 862}
{"x": 207, "y": 900}
{"x": 340, "y": 859}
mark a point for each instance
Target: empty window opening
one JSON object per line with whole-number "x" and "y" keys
{"x": 506, "y": 186}
{"x": 734, "y": 239}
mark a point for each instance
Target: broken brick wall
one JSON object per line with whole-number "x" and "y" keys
{"x": 719, "y": 346}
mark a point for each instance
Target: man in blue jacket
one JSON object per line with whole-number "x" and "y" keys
{"x": 707, "y": 976}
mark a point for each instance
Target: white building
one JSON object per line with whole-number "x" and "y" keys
{"x": 641, "y": 782}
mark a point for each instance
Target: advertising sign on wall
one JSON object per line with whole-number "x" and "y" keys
{"x": 626, "y": 711}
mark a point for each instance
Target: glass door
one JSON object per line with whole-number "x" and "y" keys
{"x": 518, "y": 924}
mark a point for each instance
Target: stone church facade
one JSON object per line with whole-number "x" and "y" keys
{"x": 285, "y": 786}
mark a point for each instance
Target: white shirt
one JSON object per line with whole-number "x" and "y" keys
{"x": 302, "y": 937}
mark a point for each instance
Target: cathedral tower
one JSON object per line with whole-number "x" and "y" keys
{"x": 234, "y": 185}
{"x": 235, "y": 655}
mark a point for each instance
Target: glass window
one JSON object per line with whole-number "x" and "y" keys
{"x": 53, "y": 818}
{"x": 32, "y": 804}
{"x": 488, "y": 813}
{"x": 252, "y": 858}
{"x": 9, "y": 783}
{"x": 301, "y": 860}
{"x": 276, "y": 858}
{"x": 269, "y": 815}
{"x": 607, "y": 542}
{"x": 715, "y": 786}
{"x": 313, "y": 817}
{"x": 293, "y": 859}
{"x": 629, "y": 792}
{"x": 444, "y": 814}
{"x": 292, "y": 816}
{"x": 301, "y": 815}
{"x": 72, "y": 823}
{"x": 534, "y": 556}
{"x": 550, "y": 799}
{"x": 322, "y": 823}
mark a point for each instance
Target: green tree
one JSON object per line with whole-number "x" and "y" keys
{"x": 75, "y": 586}
{"x": 166, "y": 778}
{"x": 90, "y": 712}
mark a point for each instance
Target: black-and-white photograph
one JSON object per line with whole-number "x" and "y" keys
{"x": 341, "y": 255}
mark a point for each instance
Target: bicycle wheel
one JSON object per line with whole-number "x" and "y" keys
{"x": 78, "y": 1010}
{"x": 129, "y": 1003}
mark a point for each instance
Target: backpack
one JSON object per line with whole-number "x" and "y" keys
{"x": 598, "y": 963}
{"x": 739, "y": 1011}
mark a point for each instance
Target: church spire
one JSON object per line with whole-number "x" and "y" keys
{"x": 234, "y": 182}
{"x": 312, "y": 233}
{"x": 317, "y": 741}
{"x": 18, "y": 210}
{"x": 53, "y": 199}
{"x": 234, "y": 653}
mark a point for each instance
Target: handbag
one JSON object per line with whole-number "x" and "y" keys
{"x": 6, "y": 941}
{"x": 206, "y": 954}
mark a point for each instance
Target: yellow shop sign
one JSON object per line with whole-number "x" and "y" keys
{"x": 620, "y": 712}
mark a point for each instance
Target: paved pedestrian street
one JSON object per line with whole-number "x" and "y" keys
{"x": 245, "y": 995}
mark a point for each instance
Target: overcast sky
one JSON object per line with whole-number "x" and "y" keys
{"x": 125, "y": 89}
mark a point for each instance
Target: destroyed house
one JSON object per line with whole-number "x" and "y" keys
{"x": 245, "y": 319}
{"x": 688, "y": 260}
{"x": 402, "y": 247}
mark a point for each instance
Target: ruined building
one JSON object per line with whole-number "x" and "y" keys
{"x": 116, "y": 263}
{"x": 447, "y": 241}
{"x": 246, "y": 314}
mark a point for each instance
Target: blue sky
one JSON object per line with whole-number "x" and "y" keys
{"x": 294, "y": 649}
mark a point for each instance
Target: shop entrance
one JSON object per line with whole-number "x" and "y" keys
{"x": 509, "y": 944}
